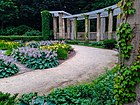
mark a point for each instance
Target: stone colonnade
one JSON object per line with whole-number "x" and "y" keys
{"x": 71, "y": 26}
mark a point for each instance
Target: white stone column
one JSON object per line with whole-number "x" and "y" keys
{"x": 86, "y": 27}
{"x": 64, "y": 36}
{"x": 89, "y": 29}
{"x": 55, "y": 27}
{"x": 60, "y": 25}
{"x": 103, "y": 25}
{"x": 98, "y": 27}
{"x": 68, "y": 29}
{"x": 75, "y": 28}
{"x": 110, "y": 24}
{"x": 72, "y": 30}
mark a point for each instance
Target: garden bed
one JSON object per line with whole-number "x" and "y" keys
{"x": 35, "y": 55}
{"x": 24, "y": 69}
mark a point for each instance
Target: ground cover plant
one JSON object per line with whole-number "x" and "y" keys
{"x": 7, "y": 99}
{"x": 99, "y": 92}
{"x": 7, "y": 66}
{"x": 35, "y": 58}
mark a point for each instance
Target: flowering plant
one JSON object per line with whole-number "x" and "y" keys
{"x": 35, "y": 44}
{"x": 35, "y": 58}
{"x": 7, "y": 66}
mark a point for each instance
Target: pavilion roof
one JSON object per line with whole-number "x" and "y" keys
{"x": 56, "y": 13}
{"x": 92, "y": 15}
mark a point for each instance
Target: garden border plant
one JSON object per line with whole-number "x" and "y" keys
{"x": 127, "y": 76}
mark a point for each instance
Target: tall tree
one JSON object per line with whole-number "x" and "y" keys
{"x": 8, "y": 11}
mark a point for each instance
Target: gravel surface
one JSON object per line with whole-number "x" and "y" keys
{"x": 87, "y": 64}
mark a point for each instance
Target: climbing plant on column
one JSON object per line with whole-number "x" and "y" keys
{"x": 45, "y": 24}
{"x": 128, "y": 75}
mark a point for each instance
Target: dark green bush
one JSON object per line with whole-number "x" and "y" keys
{"x": 109, "y": 44}
{"x": 72, "y": 41}
{"x": 33, "y": 33}
{"x": 23, "y": 38}
{"x": 62, "y": 54}
{"x": 33, "y": 99}
{"x": 7, "y": 99}
{"x": 97, "y": 43}
{"x": 20, "y": 30}
{"x": 99, "y": 92}
{"x": 8, "y": 31}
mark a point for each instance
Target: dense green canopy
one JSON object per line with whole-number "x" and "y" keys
{"x": 27, "y": 12}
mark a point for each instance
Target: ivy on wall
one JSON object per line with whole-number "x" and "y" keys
{"x": 45, "y": 24}
{"x": 127, "y": 76}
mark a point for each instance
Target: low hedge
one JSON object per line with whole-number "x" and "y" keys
{"x": 23, "y": 38}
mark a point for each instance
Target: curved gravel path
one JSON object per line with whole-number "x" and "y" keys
{"x": 87, "y": 64}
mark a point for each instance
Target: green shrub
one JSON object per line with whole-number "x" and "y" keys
{"x": 109, "y": 44}
{"x": 33, "y": 99}
{"x": 62, "y": 54}
{"x": 5, "y": 45}
{"x": 97, "y": 44}
{"x": 8, "y": 52}
{"x": 33, "y": 33}
{"x": 7, "y": 66}
{"x": 72, "y": 42}
{"x": 23, "y": 38}
{"x": 7, "y": 99}
{"x": 20, "y": 30}
{"x": 99, "y": 92}
{"x": 36, "y": 59}
{"x": 8, "y": 31}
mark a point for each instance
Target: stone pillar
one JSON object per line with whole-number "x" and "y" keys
{"x": 64, "y": 36}
{"x": 60, "y": 25}
{"x": 68, "y": 29}
{"x": 89, "y": 29}
{"x": 55, "y": 27}
{"x": 103, "y": 23}
{"x": 110, "y": 24}
{"x": 98, "y": 27}
{"x": 118, "y": 21}
{"x": 72, "y": 30}
{"x": 75, "y": 28}
{"x": 86, "y": 27}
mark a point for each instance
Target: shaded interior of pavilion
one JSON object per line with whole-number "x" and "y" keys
{"x": 65, "y": 24}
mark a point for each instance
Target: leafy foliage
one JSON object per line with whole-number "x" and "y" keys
{"x": 45, "y": 24}
{"x": 62, "y": 54}
{"x": 109, "y": 44}
{"x": 7, "y": 66}
{"x": 33, "y": 99}
{"x": 128, "y": 75}
{"x": 33, "y": 33}
{"x": 99, "y": 92}
{"x": 61, "y": 49}
{"x": 35, "y": 58}
{"x": 5, "y": 45}
{"x": 7, "y": 99}
{"x": 124, "y": 33}
{"x": 8, "y": 11}
{"x": 125, "y": 81}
